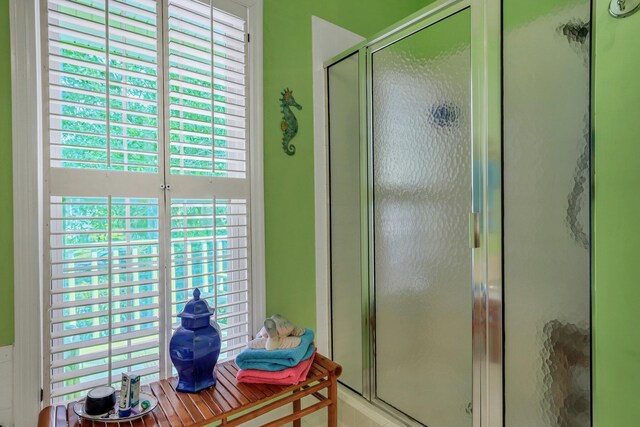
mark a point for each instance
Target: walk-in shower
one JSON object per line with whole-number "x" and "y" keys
{"x": 459, "y": 181}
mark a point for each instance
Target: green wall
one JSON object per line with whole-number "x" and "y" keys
{"x": 289, "y": 186}
{"x": 289, "y": 180}
{"x": 616, "y": 218}
{"x": 6, "y": 193}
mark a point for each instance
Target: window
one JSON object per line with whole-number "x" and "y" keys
{"x": 147, "y": 183}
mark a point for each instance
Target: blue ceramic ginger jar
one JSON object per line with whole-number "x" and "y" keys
{"x": 195, "y": 347}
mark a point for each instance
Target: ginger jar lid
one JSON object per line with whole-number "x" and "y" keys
{"x": 196, "y": 308}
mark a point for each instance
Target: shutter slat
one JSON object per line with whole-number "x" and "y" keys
{"x": 184, "y": 30}
{"x": 56, "y": 134}
{"x": 73, "y": 119}
{"x": 139, "y": 25}
{"x": 179, "y": 35}
{"x": 132, "y": 9}
{"x": 55, "y": 46}
{"x": 81, "y": 34}
{"x": 187, "y": 66}
{"x": 221, "y": 17}
{"x": 79, "y": 373}
{"x": 62, "y": 74}
{"x": 79, "y": 387}
{"x": 208, "y": 295}
{"x": 135, "y": 74}
{"x": 236, "y": 154}
{"x": 192, "y": 10}
{"x": 150, "y": 332}
{"x": 128, "y": 60}
{"x": 58, "y": 60}
{"x": 82, "y": 316}
{"x": 128, "y": 47}
{"x": 230, "y": 53}
{"x": 100, "y": 355}
{"x": 105, "y": 327}
{"x": 229, "y": 32}
{"x": 75, "y": 5}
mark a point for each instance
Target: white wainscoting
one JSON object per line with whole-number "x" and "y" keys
{"x": 6, "y": 386}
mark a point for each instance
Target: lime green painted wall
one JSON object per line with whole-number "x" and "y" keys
{"x": 6, "y": 194}
{"x": 616, "y": 225}
{"x": 289, "y": 186}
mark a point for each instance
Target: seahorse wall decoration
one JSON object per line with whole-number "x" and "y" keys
{"x": 289, "y": 124}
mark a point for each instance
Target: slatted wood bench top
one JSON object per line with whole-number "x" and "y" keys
{"x": 230, "y": 402}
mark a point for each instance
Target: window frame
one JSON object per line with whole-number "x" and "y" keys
{"x": 28, "y": 36}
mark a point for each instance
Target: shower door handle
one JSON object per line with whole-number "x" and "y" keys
{"x": 474, "y": 230}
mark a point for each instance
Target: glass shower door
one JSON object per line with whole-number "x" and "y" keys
{"x": 421, "y": 193}
{"x": 547, "y": 361}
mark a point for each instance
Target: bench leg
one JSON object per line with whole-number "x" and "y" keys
{"x": 296, "y": 408}
{"x": 333, "y": 397}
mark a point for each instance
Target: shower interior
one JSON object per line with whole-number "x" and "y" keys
{"x": 419, "y": 204}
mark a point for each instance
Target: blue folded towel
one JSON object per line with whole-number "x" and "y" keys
{"x": 277, "y": 360}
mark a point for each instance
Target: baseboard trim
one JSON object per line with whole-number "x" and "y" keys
{"x": 6, "y": 391}
{"x": 356, "y": 411}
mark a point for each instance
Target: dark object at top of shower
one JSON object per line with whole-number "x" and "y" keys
{"x": 444, "y": 114}
{"x": 576, "y": 31}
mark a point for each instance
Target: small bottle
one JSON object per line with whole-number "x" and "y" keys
{"x": 134, "y": 384}
{"x": 124, "y": 403}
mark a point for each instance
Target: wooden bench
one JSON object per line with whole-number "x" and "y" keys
{"x": 230, "y": 402}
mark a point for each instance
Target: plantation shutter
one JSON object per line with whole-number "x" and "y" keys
{"x": 104, "y": 291}
{"x": 95, "y": 45}
{"x": 207, "y": 91}
{"x": 209, "y": 217}
{"x": 146, "y": 186}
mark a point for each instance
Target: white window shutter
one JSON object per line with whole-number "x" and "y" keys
{"x": 94, "y": 45}
{"x": 121, "y": 128}
{"x": 207, "y": 91}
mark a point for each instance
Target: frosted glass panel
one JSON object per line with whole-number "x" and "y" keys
{"x": 546, "y": 214}
{"x": 422, "y": 197}
{"x": 344, "y": 152}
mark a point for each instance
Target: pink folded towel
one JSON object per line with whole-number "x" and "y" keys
{"x": 289, "y": 376}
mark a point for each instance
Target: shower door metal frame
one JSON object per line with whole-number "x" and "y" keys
{"x": 440, "y": 12}
{"x": 488, "y": 295}
{"x": 486, "y": 284}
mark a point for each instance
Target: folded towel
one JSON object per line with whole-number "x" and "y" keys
{"x": 289, "y": 376}
{"x": 277, "y": 360}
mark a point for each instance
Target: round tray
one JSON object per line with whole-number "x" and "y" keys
{"x": 136, "y": 412}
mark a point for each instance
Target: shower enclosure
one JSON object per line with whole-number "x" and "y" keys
{"x": 459, "y": 185}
